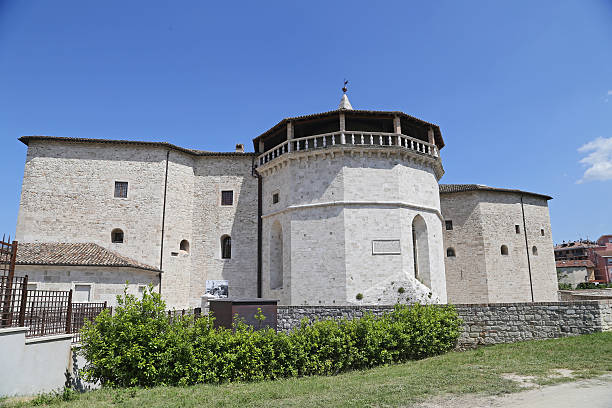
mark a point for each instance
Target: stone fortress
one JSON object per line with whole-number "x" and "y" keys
{"x": 337, "y": 208}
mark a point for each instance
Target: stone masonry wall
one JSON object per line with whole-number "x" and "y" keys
{"x": 486, "y": 324}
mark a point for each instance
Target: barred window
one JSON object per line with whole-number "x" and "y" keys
{"x": 121, "y": 188}
{"x": 227, "y": 197}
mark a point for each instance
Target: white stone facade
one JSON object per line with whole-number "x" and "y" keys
{"x": 68, "y": 196}
{"x": 482, "y": 222}
{"x": 347, "y": 217}
{"x": 101, "y": 284}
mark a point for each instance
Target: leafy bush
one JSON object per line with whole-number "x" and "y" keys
{"x": 140, "y": 346}
{"x": 359, "y": 296}
{"x": 565, "y": 286}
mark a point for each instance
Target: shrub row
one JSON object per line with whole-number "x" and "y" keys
{"x": 139, "y": 346}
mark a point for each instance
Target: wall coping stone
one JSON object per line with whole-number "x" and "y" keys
{"x": 44, "y": 339}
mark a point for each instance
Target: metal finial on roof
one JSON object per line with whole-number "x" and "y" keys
{"x": 344, "y": 102}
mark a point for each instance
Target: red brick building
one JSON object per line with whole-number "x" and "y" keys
{"x": 599, "y": 253}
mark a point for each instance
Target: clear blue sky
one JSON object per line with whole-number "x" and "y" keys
{"x": 522, "y": 90}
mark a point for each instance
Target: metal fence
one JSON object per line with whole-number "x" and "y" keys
{"x": 82, "y": 312}
{"x": 173, "y": 315}
{"x": 44, "y": 312}
{"x": 48, "y": 312}
{"x": 12, "y": 289}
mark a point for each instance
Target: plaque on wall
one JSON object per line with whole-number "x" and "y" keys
{"x": 217, "y": 288}
{"x": 386, "y": 247}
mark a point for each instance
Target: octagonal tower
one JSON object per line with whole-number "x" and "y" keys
{"x": 351, "y": 209}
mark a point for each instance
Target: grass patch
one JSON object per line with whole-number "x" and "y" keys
{"x": 477, "y": 371}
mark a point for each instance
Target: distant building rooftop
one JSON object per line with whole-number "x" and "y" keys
{"x": 575, "y": 263}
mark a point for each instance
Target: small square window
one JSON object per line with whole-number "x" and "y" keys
{"x": 121, "y": 188}
{"x": 227, "y": 197}
{"x": 274, "y": 198}
{"x": 449, "y": 225}
{"x": 517, "y": 228}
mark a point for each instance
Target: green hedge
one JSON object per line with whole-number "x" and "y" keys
{"x": 139, "y": 346}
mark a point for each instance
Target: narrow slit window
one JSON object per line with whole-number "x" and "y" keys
{"x": 274, "y": 198}
{"x": 542, "y": 232}
{"x": 226, "y": 247}
{"x": 517, "y": 228}
{"x": 449, "y": 225}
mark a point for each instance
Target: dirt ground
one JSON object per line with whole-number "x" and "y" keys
{"x": 594, "y": 393}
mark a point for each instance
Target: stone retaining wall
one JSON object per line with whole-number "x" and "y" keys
{"x": 487, "y": 323}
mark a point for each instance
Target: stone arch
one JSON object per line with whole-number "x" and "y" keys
{"x": 420, "y": 247}
{"x": 276, "y": 256}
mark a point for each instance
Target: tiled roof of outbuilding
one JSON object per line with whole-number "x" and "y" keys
{"x": 74, "y": 254}
{"x": 457, "y": 188}
{"x": 26, "y": 140}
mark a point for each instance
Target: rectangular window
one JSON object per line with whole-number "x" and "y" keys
{"x": 449, "y": 225}
{"x": 227, "y": 197}
{"x": 121, "y": 189}
{"x": 542, "y": 232}
{"x": 274, "y": 198}
{"x": 517, "y": 229}
{"x": 82, "y": 293}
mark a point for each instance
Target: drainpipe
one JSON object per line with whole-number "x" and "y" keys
{"x": 527, "y": 248}
{"x": 255, "y": 173}
{"x": 161, "y": 252}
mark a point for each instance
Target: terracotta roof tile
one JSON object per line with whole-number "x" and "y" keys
{"x": 74, "y": 254}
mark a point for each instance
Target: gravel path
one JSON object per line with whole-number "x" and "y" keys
{"x": 594, "y": 393}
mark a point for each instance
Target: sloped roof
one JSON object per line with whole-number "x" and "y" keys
{"x": 74, "y": 254}
{"x": 26, "y": 140}
{"x": 457, "y": 188}
{"x": 436, "y": 128}
{"x": 574, "y": 263}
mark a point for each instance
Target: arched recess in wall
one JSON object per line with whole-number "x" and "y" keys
{"x": 226, "y": 247}
{"x": 534, "y": 250}
{"x": 420, "y": 245}
{"x": 276, "y": 256}
{"x": 184, "y": 246}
